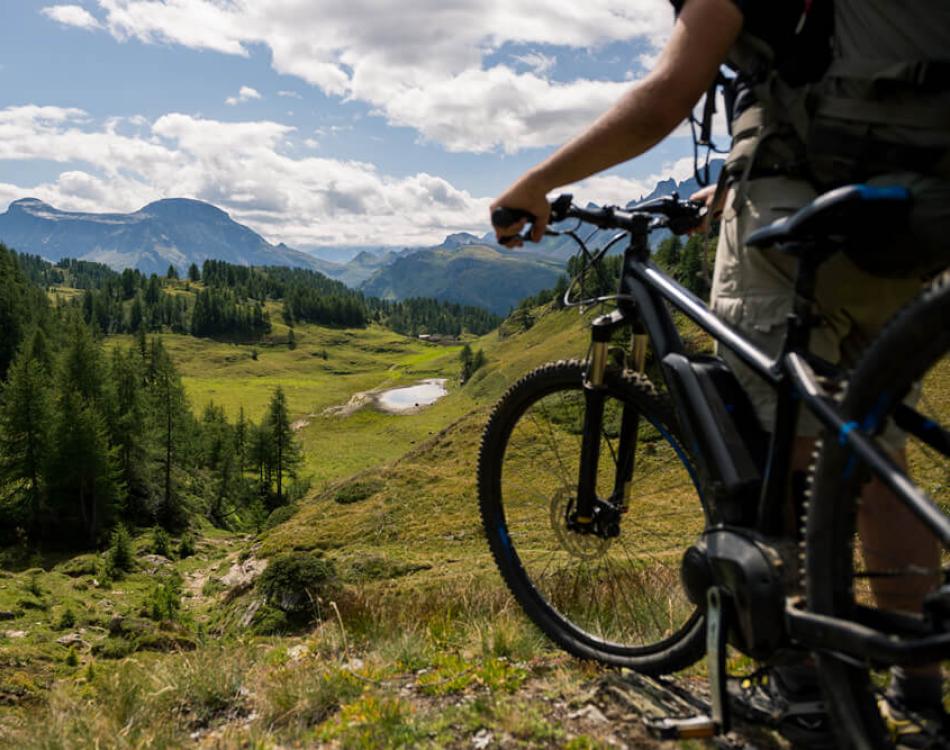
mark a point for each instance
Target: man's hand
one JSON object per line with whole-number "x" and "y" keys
{"x": 707, "y": 195}
{"x": 702, "y": 35}
{"x": 526, "y": 194}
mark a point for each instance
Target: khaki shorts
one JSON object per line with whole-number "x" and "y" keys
{"x": 753, "y": 289}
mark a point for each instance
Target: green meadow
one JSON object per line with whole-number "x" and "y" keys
{"x": 409, "y": 637}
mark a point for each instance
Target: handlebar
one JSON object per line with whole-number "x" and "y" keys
{"x": 679, "y": 216}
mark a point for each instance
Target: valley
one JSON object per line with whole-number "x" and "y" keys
{"x": 360, "y": 610}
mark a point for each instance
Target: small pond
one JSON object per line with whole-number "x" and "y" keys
{"x": 413, "y": 397}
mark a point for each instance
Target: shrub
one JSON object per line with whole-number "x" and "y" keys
{"x": 84, "y": 565}
{"x": 297, "y": 582}
{"x": 357, "y": 491}
{"x": 164, "y": 600}
{"x": 67, "y": 619}
{"x": 113, "y": 648}
{"x": 119, "y": 558}
{"x": 33, "y": 584}
{"x": 186, "y": 545}
{"x": 269, "y": 621}
{"x": 279, "y": 516}
{"x": 161, "y": 542}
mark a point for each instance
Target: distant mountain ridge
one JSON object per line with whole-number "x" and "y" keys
{"x": 473, "y": 273}
{"x": 463, "y": 268}
{"x": 173, "y": 231}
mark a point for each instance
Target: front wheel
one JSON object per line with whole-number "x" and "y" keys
{"x": 615, "y": 598}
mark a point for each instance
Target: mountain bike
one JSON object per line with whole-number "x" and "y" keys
{"x": 643, "y": 523}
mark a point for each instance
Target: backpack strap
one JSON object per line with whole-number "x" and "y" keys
{"x": 921, "y": 75}
{"x": 907, "y": 114}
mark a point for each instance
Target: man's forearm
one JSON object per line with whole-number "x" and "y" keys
{"x": 627, "y": 130}
{"x": 654, "y": 107}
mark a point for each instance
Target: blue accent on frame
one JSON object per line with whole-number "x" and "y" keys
{"x": 846, "y": 430}
{"x": 886, "y": 193}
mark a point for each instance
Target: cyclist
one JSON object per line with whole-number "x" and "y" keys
{"x": 777, "y": 48}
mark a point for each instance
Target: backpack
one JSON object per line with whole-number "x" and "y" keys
{"x": 883, "y": 104}
{"x": 876, "y": 109}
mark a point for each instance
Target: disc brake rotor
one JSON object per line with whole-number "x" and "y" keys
{"x": 583, "y": 546}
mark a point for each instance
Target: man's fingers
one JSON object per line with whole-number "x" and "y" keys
{"x": 509, "y": 232}
{"x": 537, "y": 230}
{"x": 704, "y": 194}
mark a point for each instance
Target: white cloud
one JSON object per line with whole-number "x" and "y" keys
{"x": 72, "y": 15}
{"x": 479, "y": 111}
{"x": 421, "y": 65}
{"x": 289, "y": 94}
{"x": 246, "y": 94}
{"x": 537, "y": 61}
{"x": 243, "y": 167}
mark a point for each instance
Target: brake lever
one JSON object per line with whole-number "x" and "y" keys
{"x": 504, "y": 217}
{"x": 685, "y": 222}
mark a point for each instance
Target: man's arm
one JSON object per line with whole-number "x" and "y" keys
{"x": 700, "y": 40}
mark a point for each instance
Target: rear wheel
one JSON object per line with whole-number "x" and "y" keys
{"x": 616, "y": 599}
{"x": 908, "y": 362}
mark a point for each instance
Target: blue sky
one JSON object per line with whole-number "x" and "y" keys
{"x": 315, "y": 121}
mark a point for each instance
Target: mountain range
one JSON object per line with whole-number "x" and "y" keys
{"x": 464, "y": 268}
{"x": 174, "y": 231}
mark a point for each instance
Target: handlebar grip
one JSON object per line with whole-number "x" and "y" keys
{"x": 504, "y": 217}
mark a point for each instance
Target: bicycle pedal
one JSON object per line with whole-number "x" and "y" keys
{"x": 692, "y": 728}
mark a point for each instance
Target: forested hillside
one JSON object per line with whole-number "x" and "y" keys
{"x": 223, "y": 300}
{"x": 90, "y": 440}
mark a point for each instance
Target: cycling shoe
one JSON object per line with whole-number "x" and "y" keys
{"x": 799, "y": 715}
{"x": 913, "y": 729}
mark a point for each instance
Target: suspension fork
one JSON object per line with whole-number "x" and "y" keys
{"x": 595, "y": 394}
{"x": 630, "y": 423}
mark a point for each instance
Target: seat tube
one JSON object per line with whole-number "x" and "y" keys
{"x": 772, "y": 512}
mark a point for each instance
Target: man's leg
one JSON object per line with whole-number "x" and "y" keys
{"x": 893, "y": 538}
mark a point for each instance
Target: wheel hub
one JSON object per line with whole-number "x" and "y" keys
{"x": 587, "y": 541}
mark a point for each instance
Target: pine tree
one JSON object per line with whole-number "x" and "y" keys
{"x": 241, "y": 441}
{"x": 85, "y": 489}
{"x": 465, "y": 357}
{"x": 193, "y": 273}
{"x": 169, "y": 413}
{"x": 689, "y": 270}
{"x": 286, "y": 449}
{"x": 560, "y": 287}
{"x": 81, "y": 366}
{"x": 20, "y": 307}
{"x": 128, "y": 428}
{"x": 668, "y": 253}
{"x": 153, "y": 292}
{"x": 478, "y": 360}
{"x": 40, "y": 351}
{"x": 171, "y": 273}
{"x": 261, "y": 456}
{"x": 25, "y": 417}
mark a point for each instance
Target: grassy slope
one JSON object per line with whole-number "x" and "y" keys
{"x": 423, "y": 648}
{"x": 427, "y": 648}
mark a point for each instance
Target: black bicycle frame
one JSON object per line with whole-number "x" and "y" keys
{"x": 642, "y": 302}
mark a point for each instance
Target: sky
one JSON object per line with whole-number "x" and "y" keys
{"x": 317, "y": 122}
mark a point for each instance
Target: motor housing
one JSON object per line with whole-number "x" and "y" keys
{"x": 751, "y": 573}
